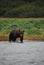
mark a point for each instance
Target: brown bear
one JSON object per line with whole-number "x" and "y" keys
{"x": 14, "y": 34}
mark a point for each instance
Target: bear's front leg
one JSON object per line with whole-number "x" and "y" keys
{"x": 21, "y": 39}
{"x": 14, "y": 39}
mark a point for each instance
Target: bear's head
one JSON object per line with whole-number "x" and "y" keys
{"x": 21, "y": 34}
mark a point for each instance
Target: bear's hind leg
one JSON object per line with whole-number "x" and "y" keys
{"x": 10, "y": 37}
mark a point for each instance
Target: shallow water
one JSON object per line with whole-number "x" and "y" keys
{"x": 26, "y": 53}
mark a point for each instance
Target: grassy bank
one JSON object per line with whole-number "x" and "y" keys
{"x": 33, "y": 27}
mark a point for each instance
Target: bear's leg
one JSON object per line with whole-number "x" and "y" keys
{"x": 13, "y": 39}
{"x": 21, "y": 39}
{"x": 10, "y": 37}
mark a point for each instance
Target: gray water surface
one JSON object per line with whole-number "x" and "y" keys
{"x": 27, "y": 53}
